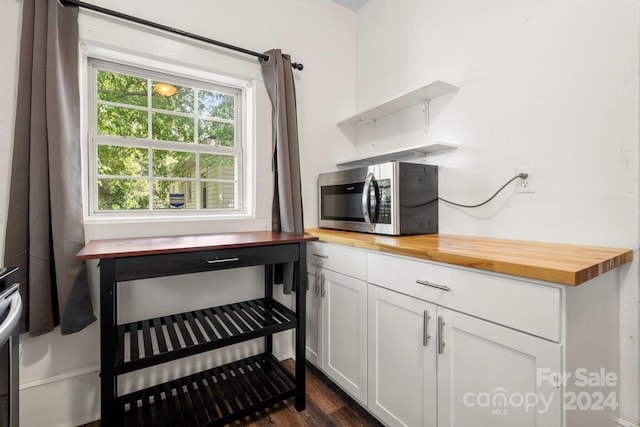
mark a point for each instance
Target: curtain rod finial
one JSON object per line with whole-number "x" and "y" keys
{"x": 297, "y": 66}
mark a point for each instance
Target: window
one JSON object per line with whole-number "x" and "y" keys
{"x": 163, "y": 144}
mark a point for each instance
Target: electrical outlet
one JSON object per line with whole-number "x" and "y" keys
{"x": 527, "y": 185}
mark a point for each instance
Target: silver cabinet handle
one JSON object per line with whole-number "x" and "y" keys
{"x": 217, "y": 261}
{"x": 441, "y": 342}
{"x": 425, "y": 326}
{"x": 321, "y": 256}
{"x": 316, "y": 284}
{"x": 433, "y": 285}
{"x": 323, "y": 287}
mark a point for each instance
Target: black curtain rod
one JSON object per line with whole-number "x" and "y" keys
{"x": 110, "y": 12}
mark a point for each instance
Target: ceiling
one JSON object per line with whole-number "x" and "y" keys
{"x": 351, "y": 4}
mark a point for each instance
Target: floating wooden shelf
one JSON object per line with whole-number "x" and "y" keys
{"x": 402, "y": 154}
{"x": 399, "y": 103}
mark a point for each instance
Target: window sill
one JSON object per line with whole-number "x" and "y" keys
{"x": 140, "y": 219}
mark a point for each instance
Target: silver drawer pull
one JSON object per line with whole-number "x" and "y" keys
{"x": 217, "y": 261}
{"x": 433, "y": 285}
{"x": 321, "y": 256}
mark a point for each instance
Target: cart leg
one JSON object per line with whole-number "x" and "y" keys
{"x": 268, "y": 293}
{"x": 108, "y": 321}
{"x": 301, "y": 300}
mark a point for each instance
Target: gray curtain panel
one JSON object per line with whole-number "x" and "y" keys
{"x": 287, "y": 194}
{"x": 44, "y": 225}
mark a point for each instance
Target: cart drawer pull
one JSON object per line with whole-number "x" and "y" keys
{"x": 321, "y": 256}
{"x": 217, "y": 261}
{"x": 433, "y": 285}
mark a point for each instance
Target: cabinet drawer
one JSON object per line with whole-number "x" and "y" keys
{"x": 341, "y": 259}
{"x": 148, "y": 266}
{"x": 520, "y": 305}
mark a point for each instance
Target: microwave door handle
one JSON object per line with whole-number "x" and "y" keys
{"x": 365, "y": 200}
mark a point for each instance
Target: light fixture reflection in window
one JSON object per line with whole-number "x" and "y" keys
{"x": 165, "y": 89}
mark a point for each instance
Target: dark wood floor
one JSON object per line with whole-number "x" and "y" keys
{"x": 326, "y": 405}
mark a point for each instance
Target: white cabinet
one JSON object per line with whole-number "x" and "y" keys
{"x": 344, "y": 332}
{"x": 402, "y": 359}
{"x": 337, "y": 316}
{"x": 428, "y": 344}
{"x": 490, "y": 376}
{"x": 530, "y": 307}
{"x": 312, "y": 317}
{"x": 418, "y": 351}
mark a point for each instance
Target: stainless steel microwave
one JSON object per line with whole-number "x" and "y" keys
{"x": 394, "y": 198}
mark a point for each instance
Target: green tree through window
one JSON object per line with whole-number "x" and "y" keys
{"x": 154, "y": 137}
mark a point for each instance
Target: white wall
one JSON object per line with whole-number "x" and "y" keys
{"x": 547, "y": 83}
{"x": 62, "y": 370}
{"x": 10, "y": 35}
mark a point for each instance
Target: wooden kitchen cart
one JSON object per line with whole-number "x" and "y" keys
{"x": 215, "y": 396}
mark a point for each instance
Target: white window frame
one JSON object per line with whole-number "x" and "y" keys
{"x": 155, "y": 70}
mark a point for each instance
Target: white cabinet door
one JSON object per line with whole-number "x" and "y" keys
{"x": 312, "y": 318}
{"x": 492, "y": 376}
{"x": 402, "y": 359}
{"x": 344, "y": 339}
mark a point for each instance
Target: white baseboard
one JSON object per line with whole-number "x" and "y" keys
{"x": 59, "y": 377}
{"x": 64, "y": 400}
{"x": 623, "y": 422}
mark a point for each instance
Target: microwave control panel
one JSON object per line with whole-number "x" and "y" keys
{"x": 384, "y": 201}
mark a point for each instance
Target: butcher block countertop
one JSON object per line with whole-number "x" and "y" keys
{"x": 554, "y": 262}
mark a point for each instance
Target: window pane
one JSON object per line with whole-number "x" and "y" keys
{"x": 216, "y": 133}
{"x": 217, "y": 167}
{"x": 217, "y": 105}
{"x": 218, "y": 195}
{"x": 173, "y": 195}
{"x": 178, "y": 164}
{"x": 116, "y": 160}
{"x": 123, "y": 194}
{"x": 167, "y": 127}
{"x": 161, "y": 142}
{"x": 122, "y": 88}
{"x": 121, "y": 121}
{"x": 172, "y": 97}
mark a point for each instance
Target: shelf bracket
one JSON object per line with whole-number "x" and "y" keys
{"x": 372, "y": 128}
{"x": 427, "y": 118}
